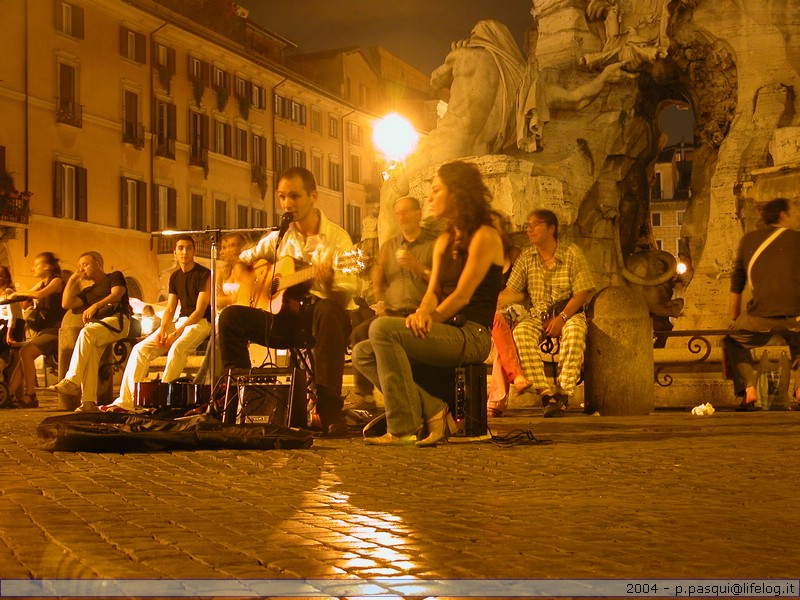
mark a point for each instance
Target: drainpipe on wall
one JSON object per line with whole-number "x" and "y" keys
{"x": 274, "y": 121}
{"x": 26, "y": 136}
{"x": 151, "y": 104}
{"x": 343, "y": 224}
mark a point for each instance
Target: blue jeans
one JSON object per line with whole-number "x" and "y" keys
{"x": 386, "y": 361}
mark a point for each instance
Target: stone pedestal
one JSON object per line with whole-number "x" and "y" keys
{"x": 619, "y": 354}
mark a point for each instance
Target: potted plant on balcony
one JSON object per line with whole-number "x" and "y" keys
{"x": 14, "y": 205}
{"x": 222, "y": 98}
{"x": 198, "y": 89}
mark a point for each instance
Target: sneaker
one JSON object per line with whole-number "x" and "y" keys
{"x": 554, "y": 406}
{"x": 358, "y": 401}
{"x": 87, "y": 407}
{"x": 67, "y": 387}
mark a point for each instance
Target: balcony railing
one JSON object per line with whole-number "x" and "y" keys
{"x": 69, "y": 113}
{"x": 258, "y": 174}
{"x": 202, "y": 245}
{"x": 198, "y": 157}
{"x": 133, "y": 133}
{"x": 15, "y": 207}
{"x": 165, "y": 147}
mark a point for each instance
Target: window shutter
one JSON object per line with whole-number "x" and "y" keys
{"x": 82, "y": 195}
{"x": 58, "y": 16}
{"x": 141, "y": 48}
{"x": 58, "y": 190}
{"x": 172, "y": 208}
{"x": 204, "y": 132}
{"x": 77, "y": 22}
{"x": 141, "y": 206}
{"x": 123, "y": 203}
{"x": 172, "y": 122}
{"x": 154, "y": 207}
{"x": 171, "y": 61}
{"x": 123, "y": 41}
{"x": 227, "y": 130}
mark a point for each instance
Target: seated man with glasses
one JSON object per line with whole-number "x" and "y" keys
{"x": 555, "y": 277}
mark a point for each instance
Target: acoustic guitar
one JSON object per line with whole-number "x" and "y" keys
{"x": 271, "y": 281}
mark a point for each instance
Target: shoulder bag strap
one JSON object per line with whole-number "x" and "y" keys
{"x": 758, "y": 252}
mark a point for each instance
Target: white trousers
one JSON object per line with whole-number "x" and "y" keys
{"x": 148, "y": 349}
{"x": 85, "y": 361}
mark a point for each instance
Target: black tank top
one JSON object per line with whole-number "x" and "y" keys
{"x": 482, "y": 305}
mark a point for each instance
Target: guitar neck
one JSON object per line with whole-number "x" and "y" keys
{"x": 295, "y": 278}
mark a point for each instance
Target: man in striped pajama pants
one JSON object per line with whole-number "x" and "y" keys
{"x": 549, "y": 273}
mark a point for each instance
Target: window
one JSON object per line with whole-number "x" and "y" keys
{"x": 659, "y": 244}
{"x": 298, "y": 113}
{"x": 241, "y": 143}
{"x": 348, "y": 88}
{"x": 316, "y": 120}
{"x": 68, "y": 110}
{"x": 354, "y": 221}
{"x": 259, "y": 150}
{"x": 316, "y": 167}
{"x": 165, "y": 57}
{"x": 335, "y": 176}
{"x": 258, "y": 218}
{"x": 241, "y": 88}
{"x": 655, "y": 219}
{"x": 132, "y": 45}
{"x": 220, "y": 213}
{"x": 355, "y": 169}
{"x": 242, "y": 215}
{"x": 333, "y": 128}
{"x": 199, "y": 70}
{"x": 198, "y": 139}
{"x": 196, "y": 220}
{"x": 354, "y": 133}
{"x": 221, "y": 79}
{"x": 258, "y": 97}
{"x": 132, "y": 129}
{"x": 69, "y": 19}
{"x": 164, "y": 128}
{"x": 363, "y": 96}
{"x": 222, "y": 138}
{"x": 680, "y": 215}
{"x": 164, "y": 208}
{"x": 133, "y": 208}
{"x": 70, "y": 194}
{"x": 298, "y": 158}
{"x": 281, "y": 158}
{"x": 280, "y": 106}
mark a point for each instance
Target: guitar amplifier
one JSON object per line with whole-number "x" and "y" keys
{"x": 464, "y": 389}
{"x": 258, "y": 396}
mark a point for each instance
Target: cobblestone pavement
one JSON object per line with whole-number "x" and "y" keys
{"x": 668, "y": 495}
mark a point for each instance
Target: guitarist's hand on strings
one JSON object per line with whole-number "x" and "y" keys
{"x": 323, "y": 272}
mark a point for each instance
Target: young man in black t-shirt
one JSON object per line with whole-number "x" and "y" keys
{"x": 189, "y": 286}
{"x": 106, "y": 318}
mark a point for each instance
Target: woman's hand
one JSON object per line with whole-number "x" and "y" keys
{"x": 419, "y": 323}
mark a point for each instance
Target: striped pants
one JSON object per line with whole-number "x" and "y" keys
{"x": 529, "y": 333}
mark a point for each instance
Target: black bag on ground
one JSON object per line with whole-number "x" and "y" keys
{"x": 125, "y": 432}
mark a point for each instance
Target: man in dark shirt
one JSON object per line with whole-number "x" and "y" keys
{"x": 768, "y": 264}
{"x": 189, "y": 285}
{"x": 106, "y": 318}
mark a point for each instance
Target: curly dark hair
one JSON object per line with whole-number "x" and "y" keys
{"x": 472, "y": 197}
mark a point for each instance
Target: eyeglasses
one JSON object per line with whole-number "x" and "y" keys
{"x": 532, "y": 224}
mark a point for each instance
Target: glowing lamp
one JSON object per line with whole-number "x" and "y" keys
{"x": 394, "y": 137}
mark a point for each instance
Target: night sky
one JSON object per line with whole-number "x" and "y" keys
{"x": 418, "y": 31}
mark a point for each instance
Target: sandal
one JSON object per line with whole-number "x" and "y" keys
{"x": 493, "y": 413}
{"x": 748, "y": 406}
{"x": 522, "y": 386}
{"x": 31, "y": 401}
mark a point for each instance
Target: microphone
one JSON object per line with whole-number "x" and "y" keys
{"x": 286, "y": 220}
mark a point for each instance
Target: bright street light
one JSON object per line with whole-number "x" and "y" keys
{"x": 394, "y": 137}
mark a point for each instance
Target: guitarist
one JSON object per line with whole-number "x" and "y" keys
{"x": 312, "y": 239}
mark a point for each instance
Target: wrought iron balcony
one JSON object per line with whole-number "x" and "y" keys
{"x": 133, "y": 133}
{"x": 165, "y": 147}
{"x": 15, "y": 207}
{"x": 69, "y": 113}
{"x": 202, "y": 245}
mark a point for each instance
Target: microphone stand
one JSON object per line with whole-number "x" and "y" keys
{"x": 214, "y": 235}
